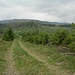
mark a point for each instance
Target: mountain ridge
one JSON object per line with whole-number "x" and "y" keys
{"x": 33, "y": 20}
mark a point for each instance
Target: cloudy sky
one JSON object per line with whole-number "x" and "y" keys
{"x": 46, "y": 10}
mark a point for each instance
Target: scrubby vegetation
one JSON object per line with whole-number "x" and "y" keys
{"x": 60, "y": 37}
{"x": 36, "y": 38}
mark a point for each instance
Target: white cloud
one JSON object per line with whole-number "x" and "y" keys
{"x": 49, "y": 10}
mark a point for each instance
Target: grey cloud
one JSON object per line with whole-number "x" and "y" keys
{"x": 63, "y": 10}
{"x": 3, "y": 4}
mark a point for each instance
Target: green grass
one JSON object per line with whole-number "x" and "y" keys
{"x": 28, "y": 65}
{"x": 53, "y": 56}
{"x": 3, "y": 50}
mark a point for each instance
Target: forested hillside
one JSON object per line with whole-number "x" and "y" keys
{"x": 17, "y": 23}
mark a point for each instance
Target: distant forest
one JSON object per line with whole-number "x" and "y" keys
{"x": 31, "y": 23}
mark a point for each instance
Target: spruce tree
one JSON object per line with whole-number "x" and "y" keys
{"x": 9, "y": 35}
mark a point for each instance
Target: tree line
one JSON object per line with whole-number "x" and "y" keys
{"x": 60, "y": 37}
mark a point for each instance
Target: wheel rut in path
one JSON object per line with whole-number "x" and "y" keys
{"x": 55, "y": 69}
{"x": 11, "y": 70}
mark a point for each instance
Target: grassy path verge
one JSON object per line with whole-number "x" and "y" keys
{"x": 54, "y": 69}
{"x": 27, "y": 64}
{"x": 11, "y": 70}
{"x": 3, "y": 51}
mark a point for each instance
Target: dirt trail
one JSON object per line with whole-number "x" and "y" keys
{"x": 55, "y": 69}
{"x": 11, "y": 70}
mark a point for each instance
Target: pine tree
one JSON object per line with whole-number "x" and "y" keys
{"x": 9, "y": 35}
